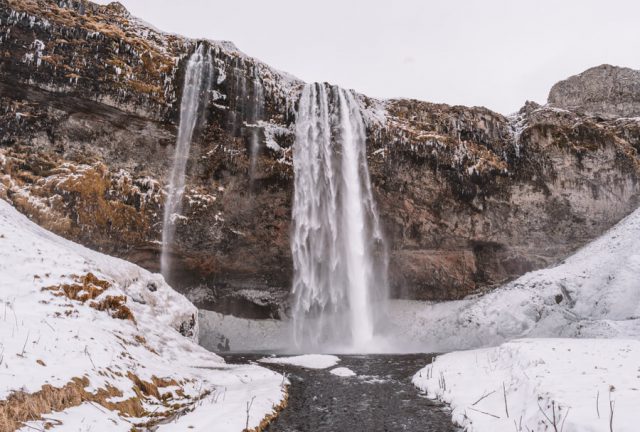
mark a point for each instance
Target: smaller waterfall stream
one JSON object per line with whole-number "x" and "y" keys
{"x": 256, "y": 114}
{"x": 339, "y": 280}
{"x": 197, "y": 77}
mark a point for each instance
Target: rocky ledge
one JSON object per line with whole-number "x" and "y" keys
{"x": 606, "y": 91}
{"x": 469, "y": 198}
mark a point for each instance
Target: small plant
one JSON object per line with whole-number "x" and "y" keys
{"x": 249, "y": 405}
{"x": 442, "y": 383}
{"x": 504, "y": 392}
{"x": 612, "y": 405}
{"x": 555, "y": 419}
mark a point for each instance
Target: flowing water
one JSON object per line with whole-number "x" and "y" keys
{"x": 255, "y": 115}
{"x": 196, "y": 80}
{"x": 380, "y": 397}
{"x": 339, "y": 283}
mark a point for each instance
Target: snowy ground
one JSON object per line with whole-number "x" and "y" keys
{"x": 118, "y": 333}
{"x": 588, "y": 381}
{"x": 581, "y": 383}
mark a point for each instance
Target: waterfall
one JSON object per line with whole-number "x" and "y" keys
{"x": 255, "y": 115}
{"x": 196, "y": 79}
{"x": 339, "y": 258}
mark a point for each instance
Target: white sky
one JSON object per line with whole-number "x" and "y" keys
{"x": 495, "y": 53}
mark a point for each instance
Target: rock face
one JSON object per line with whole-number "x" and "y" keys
{"x": 605, "y": 90}
{"x": 468, "y": 198}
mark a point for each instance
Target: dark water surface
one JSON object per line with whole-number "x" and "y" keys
{"x": 380, "y": 398}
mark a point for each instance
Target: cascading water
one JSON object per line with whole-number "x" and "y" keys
{"x": 197, "y": 78}
{"x": 339, "y": 258}
{"x": 255, "y": 116}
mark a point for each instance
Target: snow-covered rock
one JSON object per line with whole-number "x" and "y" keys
{"x": 71, "y": 317}
{"x": 531, "y": 384}
{"x": 342, "y": 372}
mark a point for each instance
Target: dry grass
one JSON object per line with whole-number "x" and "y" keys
{"x": 142, "y": 87}
{"x": 21, "y": 407}
{"x": 266, "y": 421}
{"x": 115, "y": 306}
{"x": 88, "y": 287}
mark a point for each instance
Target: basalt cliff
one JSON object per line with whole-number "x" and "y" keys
{"x": 468, "y": 198}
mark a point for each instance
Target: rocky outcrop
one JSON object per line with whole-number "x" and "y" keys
{"x": 472, "y": 199}
{"x": 605, "y": 90}
{"x": 468, "y": 198}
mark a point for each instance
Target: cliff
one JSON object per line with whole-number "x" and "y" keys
{"x": 605, "y": 90}
{"x": 468, "y": 198}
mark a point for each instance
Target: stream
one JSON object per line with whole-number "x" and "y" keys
{"x": 380, "y": 397}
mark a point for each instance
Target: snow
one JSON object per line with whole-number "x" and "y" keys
{"x": 271, "y": 131}
{"x": 309, "y": 361}
{"x": 342, "y": 372}
{"x": 48, "y": 338}
{"x": 241, "y": 334}
{"x": 86, "y": 417}
{"x": 589, "y": 304}
{"x": 575, "y": 377}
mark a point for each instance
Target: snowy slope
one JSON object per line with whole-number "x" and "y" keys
{"x": 593, "y": 294}
{"x": 588, "y": 383}
{"x": 581, "y": 385}
{"x": 110, "y": 332}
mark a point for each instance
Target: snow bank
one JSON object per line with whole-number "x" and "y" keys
{"x": 575, "y": 378}
{"x": 67, "y": 312}
{"x": 593, "y": 294}
{"x": 309, "y": 361}
{"x": 220, "y": 332}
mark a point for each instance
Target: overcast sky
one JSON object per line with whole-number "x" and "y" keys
{"x": 495, "y": 53}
